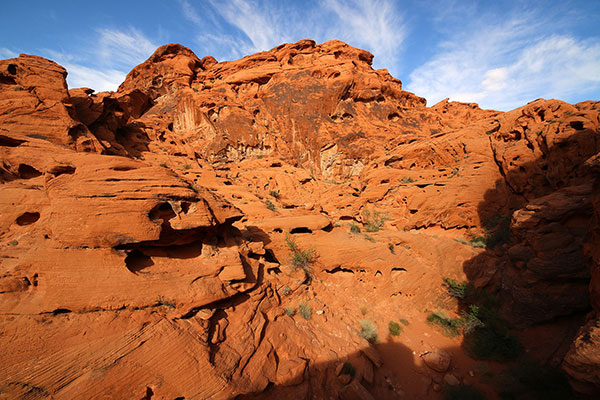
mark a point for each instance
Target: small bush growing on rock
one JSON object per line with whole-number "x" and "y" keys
{"x": 391, "y": 248}
{"x": 164, "y": 165}
{"x": 17, "y": 88}
{"x": 285, "y": 290}
{"x": 290, "y": 311}
{"x": 460, "y": 290}
{"x": 161, "y": 301}
{"x": 404, "y": 322}
{"x": 270, "y": 205}
{"x": 274, "y": 194}
{"x": 407, "y": 180}
{"x": 373, "y": 220}
{"x": 13, "y": 243}
{"x": 462, "y": 392}
{"x": 305, "y": 311}
{"x": 301, "y": 258}
{"x": 354, "y": 228}
{"x": 186, "y": 166}
{"x": 450, "y": 327}
{"x": 369, "y": 238}
{"x": 368, "y": 330}
{"x": 394, "y": 328}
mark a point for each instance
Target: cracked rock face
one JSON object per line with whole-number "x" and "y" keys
{"x": 222, "y": 229}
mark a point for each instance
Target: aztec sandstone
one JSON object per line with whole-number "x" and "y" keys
{"x": 221, "y": 230}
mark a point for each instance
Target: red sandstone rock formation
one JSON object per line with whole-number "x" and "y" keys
{"x": 146, "y": 234}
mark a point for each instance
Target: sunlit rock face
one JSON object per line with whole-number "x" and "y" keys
{"x": 241, "y": 229}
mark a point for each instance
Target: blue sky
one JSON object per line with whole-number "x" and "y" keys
{"x": 500, "y": 54}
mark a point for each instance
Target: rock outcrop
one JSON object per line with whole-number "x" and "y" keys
{"x": 239, "y": 229}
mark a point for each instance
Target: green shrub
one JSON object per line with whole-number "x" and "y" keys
{"x": 305, "y": 311}
{"x": 348, "y": 369}
{"x": 404, "y": 322}
{"x": 300, "y": 258}
{"x": 363, "y": 310}
{"x": 285, "y": 290}
{"x": 373, "y": 220}
{"x": 450, "y": 327}
{"x": 270, "y": 205}
{"x": 369, "y": 238}
{"x": 13, "y": 243}
{"x": 354, "y": 228}
{"x": 186, "y": 166}
{"x": 368, "y": 330}
{"x": 391, "y": 248}
{"x": 462, "y": 392}
{"x": 455, "y": 288}
{"x": 407, "y": 180}
{"x": 394, "y": 328}
{"x": 274, "y": 194}
{"x": 164, "y": 165}
{"x": 290, "y": 311}
{"x": 161, "y": 301}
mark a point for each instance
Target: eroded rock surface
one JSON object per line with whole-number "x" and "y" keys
{"x": 223, "y": 229}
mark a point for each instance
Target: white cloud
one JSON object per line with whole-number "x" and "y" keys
{"x": 124, "y": 49}
{"x": 6, "y": 53}
{"x": 116, "y": 54}
{"x": 506, "y": 65}
{"x": 373, "y": 25}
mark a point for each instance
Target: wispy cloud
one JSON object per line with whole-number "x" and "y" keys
{"x": 117, "y": 53}
{"x": 505, "y": 65}
{"x": 261, "y": 25}
{"x": 7, "y": 53}
{"x": 375, "y": 25}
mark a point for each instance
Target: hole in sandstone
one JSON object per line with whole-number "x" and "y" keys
{"x": 274, "y": 270}
{"x": 378, "y": 273}
{"x": 227, "y": 183}
{"x": 10, "y": 142}
{"x": 278, "y": 230}
{"x": 170, "y": 127}
{"x": 12, "y": 69}
{"x": 28, "y": 218}
{"x": 413, "y": 211}
{"x": 393, "y": 117}
{"x": 28, "y": 172}
{"x": 62, "y": 169}
{"x": 339, "y": 269}
{"x": 123, "y": 168}
{"x": 162, "y": 211}
{"x": 61, "y": 311}
{"x": 399, "y": 269}
{"x": 577, "y": 125}
{"x": 276, "y": 164}
{"x": 149, "y": 393}
{"x": 185, "y": 206}
{"x": 327, "y": 228}
{"x": 385, "y": 181}
{"x": 7, "y": 80}
{"x": 300, "y": 230}
{"x": 270, "y": 256}
{"x": 137, "y": 261}
{"x": 529, "y": 146}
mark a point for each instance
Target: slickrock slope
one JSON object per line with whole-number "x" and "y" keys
{"x": 219, "y": 230}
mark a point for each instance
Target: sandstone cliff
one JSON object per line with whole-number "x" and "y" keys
{"x": 149, "y": 237}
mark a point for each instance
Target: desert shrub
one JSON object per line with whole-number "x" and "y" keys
{"x": 270, "y": 205}
{"x": 274, "y": 194}
{"x": 363, "y": 310}
{"x": 394, "y": 328}
{"x": 186, "y": 166}
{"x": 305, "y": 311}
{"x": 404, "y": 322}
{"x": 391, "y": 248}
{"x": 407, "y": 180}
{"x": 354, "y": 228}
{"x": 17, "y": 88}
{"x": 462, "y": 392}
{"x": 164, "y": 165}
{"x": 290, "y": 311}
{"x": 450, "y": 327}
{"x": 369, "y": 238}
{"x": 455, "y": 288}
{"x": 368, "y": 330}
{"x": 373, "y": 220}
{"x": 300, "y": 258}
{"x": 285, "y": 290}
{"x": 161, "y": 301}
{"x": 348, "y": 369}
{"x": 13, "y": 243}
